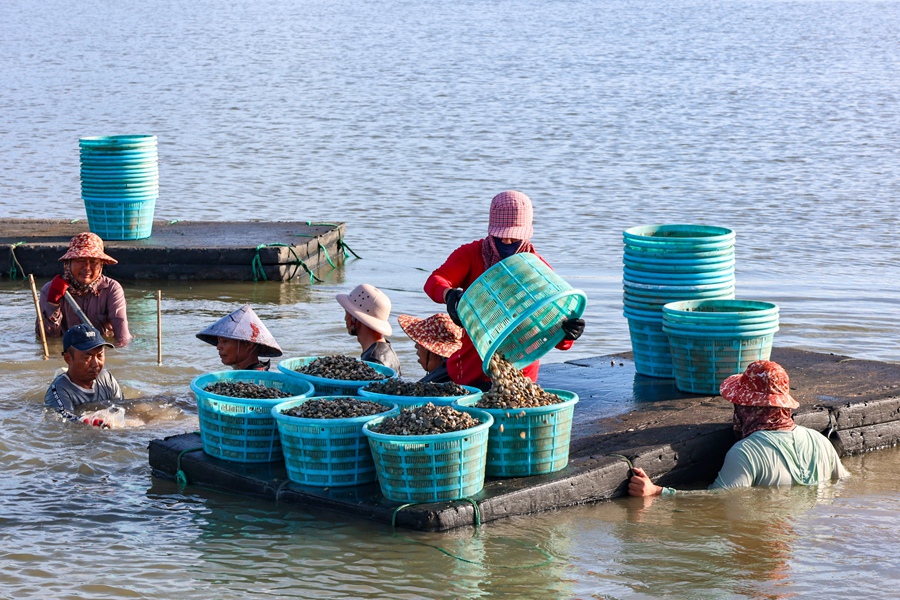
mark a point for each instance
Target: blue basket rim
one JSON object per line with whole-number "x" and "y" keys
{"x": 486, "y": 421}
{"x": 367, "y": 394}
{"x": 754, "y": 308}
{"x": 719, "y": 335}
{"x": 533, "y": 410}
{"x": 217, "y": 376}
{"x": 278, "y": 408}
{"x": 342, "y": 382}
{"x": 708, "y": 235}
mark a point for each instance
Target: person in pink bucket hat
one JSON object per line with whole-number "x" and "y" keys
{"x": 436, "y": 338}
{"x": 100, "y": 298}
{"x": 772, "y": 450}
{"x": 366, "y": 313}
{"x": 509, "y": 232}
{"x": 241, "y": 339}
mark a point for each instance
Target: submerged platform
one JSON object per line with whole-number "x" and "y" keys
{"x": 183, "y": 250}
{"x": 679, "y": 439}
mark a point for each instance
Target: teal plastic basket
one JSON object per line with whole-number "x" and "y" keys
{"x": 701, "y": 364}
{"x": 678, "y": 238}
{"x": 330, "y": 387}
{"x": 431, "y": 468}
{"x": 650, "y": 346}
{"x": 238, "y": 429}
{"x": 410, "y": 401}
{"x": 517, "y": 308}
{"x": 120, "y": 219}
{"x": 326, "y": 452}
{"x": 528, "y": 441}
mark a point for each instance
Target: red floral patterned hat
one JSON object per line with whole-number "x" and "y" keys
{"x": 764, "y": 383}
{"x": 88, "y": 245}
{"x": 436, "y": 334}
{"x": 511, "y": 216}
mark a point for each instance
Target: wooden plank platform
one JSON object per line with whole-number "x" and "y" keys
{"x": 184, "y": 250}
{"x": 679, "y": 439}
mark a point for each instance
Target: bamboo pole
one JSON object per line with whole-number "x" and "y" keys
{"x": 40, "y": 317}
{"x": 159, "y": 327}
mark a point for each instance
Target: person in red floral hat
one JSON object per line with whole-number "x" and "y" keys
{"x": 436, "y": 338}
{"x": 772, "y": 450}
{"x": 509, "y": 232}
{"x": 99, "y": 297}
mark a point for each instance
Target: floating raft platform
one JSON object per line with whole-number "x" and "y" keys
{"x": 679, "y": 439}
{"x": 183, "y": 250}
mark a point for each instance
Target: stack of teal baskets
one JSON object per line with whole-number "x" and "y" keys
{"x": 669, "y": 263}
{"x": 120, "y": 185}
{"x": 711, "y": 340}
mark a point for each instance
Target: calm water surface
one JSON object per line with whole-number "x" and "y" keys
{"x": 402, "y": 119}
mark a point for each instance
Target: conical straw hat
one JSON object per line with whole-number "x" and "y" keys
{"x": 243, "y": 325}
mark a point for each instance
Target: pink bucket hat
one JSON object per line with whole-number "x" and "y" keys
{"x": 437, "y": 333}
{"x": 242, "y": 325}
{"x": 511, "y": 216}
{"x": 370, "y": 305}
{"x": 764, "y": 383}
{"x": 87, "y": 245}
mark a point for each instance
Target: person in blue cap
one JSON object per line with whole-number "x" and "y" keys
{"x": 241, "y": 339}
{"x": 86, "y": 383}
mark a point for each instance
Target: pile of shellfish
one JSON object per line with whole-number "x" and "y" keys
{"x": 336, "y": 408}
{"x": 396, "y": 387}
{"x": 511, "y": 389}
{"x": 343, "y": 368}
{"x": 245, "y": 389}
{"x": 426, "y": 420}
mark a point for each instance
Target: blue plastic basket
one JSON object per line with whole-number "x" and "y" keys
{"x": 330, "y": 387}
{"x": 326, "y": 452}
{"x": 120, "y": 219}
{"x": 701, "y": 364}
{"x": 650, "y": 346}
{"x": 431, "y": 468}
{"x": 517, "y": 308}
{"x": 679, "y": 238}
{"x": 528, "y": 441}
{"x": 408, "y": 401}
{"x": 238, "y": 429}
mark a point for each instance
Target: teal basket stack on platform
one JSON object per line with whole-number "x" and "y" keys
{"x": 326, "y": 452}
{"x": 431, "y": 468}
{"x": 668, "y": 263}
{"x": 243, "y": 429}
{"x": 410, "y": 401}
{"x": 713, "y": 339}
{"x": 528, "y": 441}
{"x": 330, "y": 387}
{"x": 120, "y": 185}
{"x": 516, "y": 308}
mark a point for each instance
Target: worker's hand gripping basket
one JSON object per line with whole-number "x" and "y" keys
{"x": 517, "y": 308}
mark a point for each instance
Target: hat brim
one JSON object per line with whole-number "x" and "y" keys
{"x": 106, "y": 259}
{"x": 382, "y": 327}
{"x": 408, "y": 324}
{"x": 734, "y": 390}
{"x": 267, "y": 351}
{"x": 86, "y": 346}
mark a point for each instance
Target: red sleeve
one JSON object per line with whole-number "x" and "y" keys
{"x": 460, "y": 269}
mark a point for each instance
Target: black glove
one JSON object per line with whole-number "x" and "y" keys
{"x": 452, "y": 299}
{"x": 573, "y": 329}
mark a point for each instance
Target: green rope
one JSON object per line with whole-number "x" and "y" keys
{"x": 74, "y": 221}
{"x": 180, "y": 477}
{"x": 346, "y": 249}
{"x": 260, "y": 273}
{"x": 13, "y": 261}
{"x": 325, "y": 250}
{"x": 173, "y": 221}
{"x": 626, "y": 459}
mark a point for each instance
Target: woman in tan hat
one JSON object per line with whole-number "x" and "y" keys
{"x": 773, "y": 450}
{"x": 436, "y": 338}
{"x": 366, "y": 312}
{"x": 99, "y": 297}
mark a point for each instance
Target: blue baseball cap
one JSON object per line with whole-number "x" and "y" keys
{"x": 83, "y": 337}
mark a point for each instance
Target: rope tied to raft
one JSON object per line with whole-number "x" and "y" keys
{"x": 14, "y": 262}
{"x": 627, "y": 460}
{"x": 260, "y": 273}
{"x": 180, "y": 477}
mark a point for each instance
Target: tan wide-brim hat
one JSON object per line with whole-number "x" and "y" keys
{"x": 88, "y": 245}
{"x": 369, "y": 305}
{"x": 437, "y": 333}
{"x": 245, "y": 326}
{"x": 763, "y": 383}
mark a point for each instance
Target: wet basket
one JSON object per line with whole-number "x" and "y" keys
{"x": 431, "y": 468}
{"x": 528, "y": 441}
{"x": 329, "y": 387}
{"x": 517, "y": 308}
{"x": 410, "y": 401}
{"x": 326, "y": 452}
{"x": 238, "y": 429}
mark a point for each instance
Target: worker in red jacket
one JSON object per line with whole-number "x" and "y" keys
{"x": 509, "y": 232}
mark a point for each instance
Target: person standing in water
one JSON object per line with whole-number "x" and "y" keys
{"x": 241, "y": 339}
{"x": 436, "y": 338}
{"x": 366, "y": 313}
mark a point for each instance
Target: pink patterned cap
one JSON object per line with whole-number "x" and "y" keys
{"x": 437, "y": 333}
{"x": 511, "y": 216}
{"x": 764, "y": 383}
{"x": 88, "y": 245}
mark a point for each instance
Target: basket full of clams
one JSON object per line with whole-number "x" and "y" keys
{"x": 235, "y": 412}
{"x": 430, "y": 453}
{"x": 322, "y": 439}
{"x": 335, "y": 374}
{"x": 410, "y": 393}
{"x": 532, "y": 426}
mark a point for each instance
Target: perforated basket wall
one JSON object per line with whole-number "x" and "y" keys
{"x": 700, "y": 365}
{"x": 650, "y": 345}
{"x": 120, "y": 219}
{"x": 431, "y": 468}
{"x": 326, "y": 452}
{"x": 529, "y": 441}
{"x": 517, "y": 308}
{"x": 329, "y": 387}
{"x": 243, "y": 430}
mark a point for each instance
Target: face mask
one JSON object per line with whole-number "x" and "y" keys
{"x": 506, "y": 250}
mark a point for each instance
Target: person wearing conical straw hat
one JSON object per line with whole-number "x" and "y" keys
{"x": 241, "y": 339}
{"x": 772, "y": 450}
{"x": 436, "y": 338}
{"x": 509, "y": 232}
{"x": 99, "y": 297}
{"x": 366, "y": 312}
